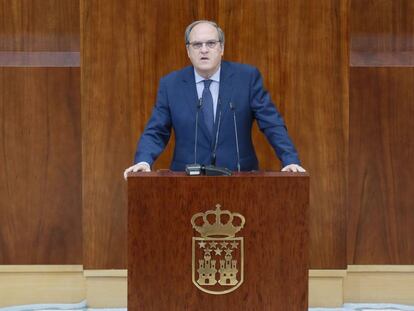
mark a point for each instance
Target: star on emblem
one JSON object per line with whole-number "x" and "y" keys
{"x": 207, "y": 251}
{"x": 218, "y": 251}
{"x": 224, "y": 244}
{"x": 228, "y": 251}
{"x": 213, "y": 244}
{"x": 202, "y": 244}
{"x": 234, "y": 244}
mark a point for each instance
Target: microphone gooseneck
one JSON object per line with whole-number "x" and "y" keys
{"x": 208, "y": 170}
{"x": 199, "y": 104}
{"x": 233, "y": 108}
{"x": 213, "y": 161}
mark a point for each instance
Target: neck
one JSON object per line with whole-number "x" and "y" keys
{"x": 208, "y": 74}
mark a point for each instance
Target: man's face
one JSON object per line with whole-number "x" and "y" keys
{"x": 206, "y": 60}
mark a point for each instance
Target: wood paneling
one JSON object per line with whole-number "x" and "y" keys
{"x": 32, "y": 25}
{"x": 382, "y": 59}
{"x": 301, "y": 49}
{"x": 382, "y": 32}
{"x": 39, "y": 59}
{"x": 381, "y": 213}
{"x": 127, "y": 46}
{"x": 40, "y": 192}
{"x": 110, "y": 87}
{"x": 275, "y": 207}
{"x": 380, "y": 218}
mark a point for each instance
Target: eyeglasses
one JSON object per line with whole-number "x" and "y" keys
{"x": 211, "y": 44}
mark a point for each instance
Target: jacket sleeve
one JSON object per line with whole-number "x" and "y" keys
{"x": 271, "y": 122}
{"x": 157, "y": 131}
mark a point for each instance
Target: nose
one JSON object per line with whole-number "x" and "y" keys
{"x": 204, "y": 48}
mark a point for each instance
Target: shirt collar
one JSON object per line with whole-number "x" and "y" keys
{"x": 215, "y": 77}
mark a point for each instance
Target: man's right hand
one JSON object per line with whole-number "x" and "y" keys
{"x": 139, "y": 167}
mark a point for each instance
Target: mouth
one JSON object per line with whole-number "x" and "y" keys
{"x": 204, "y": 58}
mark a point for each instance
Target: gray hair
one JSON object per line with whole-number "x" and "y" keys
{"x": 193, "y": 24}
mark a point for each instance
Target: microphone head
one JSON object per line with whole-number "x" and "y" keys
{"x": 232, "y": 107}
{"x": 200, "y": 102}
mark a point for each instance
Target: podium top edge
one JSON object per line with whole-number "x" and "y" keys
{"x": 169, "y": 173}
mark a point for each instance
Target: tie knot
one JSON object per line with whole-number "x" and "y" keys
{"x": 207, "y": 83}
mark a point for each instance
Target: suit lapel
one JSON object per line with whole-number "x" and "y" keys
{"x": 226, "y": 87}
{"x": 189, "y": 87}
{"x": 224, "y": 98}
{"x": 225, "y": 95}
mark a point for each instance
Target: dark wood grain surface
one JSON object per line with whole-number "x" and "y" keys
{"x": 300, "y": 48}
{"x": 39, "y": 59}
{"x": 112, "y": 79}
{"x": 275, "y": 237}
{"x": 40, "y": 156}
{"x": 381, "y": 207}
{"x": 382, "y": 59}
{"x": 382, "y": 33}
{"x": 302, "y": 51}
{"x": 32, "y": 25}
{"x": 40, "y": 136}
{"x": 317, "y": 115}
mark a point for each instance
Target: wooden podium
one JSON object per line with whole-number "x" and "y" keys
{"x": 165, "y": 252}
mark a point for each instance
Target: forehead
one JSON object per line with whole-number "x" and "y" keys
{"x": 203, "y": 31}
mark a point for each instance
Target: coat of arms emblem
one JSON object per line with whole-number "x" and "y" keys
{"x": 217, "y": 266}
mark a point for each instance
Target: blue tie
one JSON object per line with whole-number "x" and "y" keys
{"x": 208, "y": 106}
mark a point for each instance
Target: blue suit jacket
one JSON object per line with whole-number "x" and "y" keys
{"x": 176, "y": 109}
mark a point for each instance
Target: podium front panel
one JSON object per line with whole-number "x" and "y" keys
{"x": 275, "y": 241}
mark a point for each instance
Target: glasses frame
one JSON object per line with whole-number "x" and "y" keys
{"x": 210, "y": 44}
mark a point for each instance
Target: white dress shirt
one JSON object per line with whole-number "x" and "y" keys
{"x": 214, "y": 87}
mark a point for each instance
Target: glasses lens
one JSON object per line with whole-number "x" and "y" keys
{"x": 211, "y": 44}
{"x": 197, "y": 45}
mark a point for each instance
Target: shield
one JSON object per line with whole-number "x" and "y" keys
{"x": 217, "y": 262}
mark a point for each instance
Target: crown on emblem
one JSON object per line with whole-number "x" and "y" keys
{"x": 217, "y": 228}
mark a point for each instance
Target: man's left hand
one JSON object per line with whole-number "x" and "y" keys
{"x": 293, "y": 168}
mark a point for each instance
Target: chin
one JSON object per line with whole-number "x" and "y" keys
{"x": 204, "y": 66}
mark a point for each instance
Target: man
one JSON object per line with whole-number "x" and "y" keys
{"x": 212, "y": 104}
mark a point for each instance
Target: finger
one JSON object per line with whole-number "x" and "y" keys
{"x": 141, "y": 168}
{"x": 288, "y": 168}
{"x": 301, "y": 169}
{"x": 126, "y": 173}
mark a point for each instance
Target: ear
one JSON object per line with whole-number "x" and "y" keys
{"x": 222, "y": 50}
{"x": 188, "y": 50}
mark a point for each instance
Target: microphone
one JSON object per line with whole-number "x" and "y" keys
{"x": 199, "y": 104}
{"x": 213, "y": 170}
{"x": 214, "y": 155}
{"x": 208, "y": 170}
{"x": 233, "y": 108}
{"x": 195, "y": 169}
